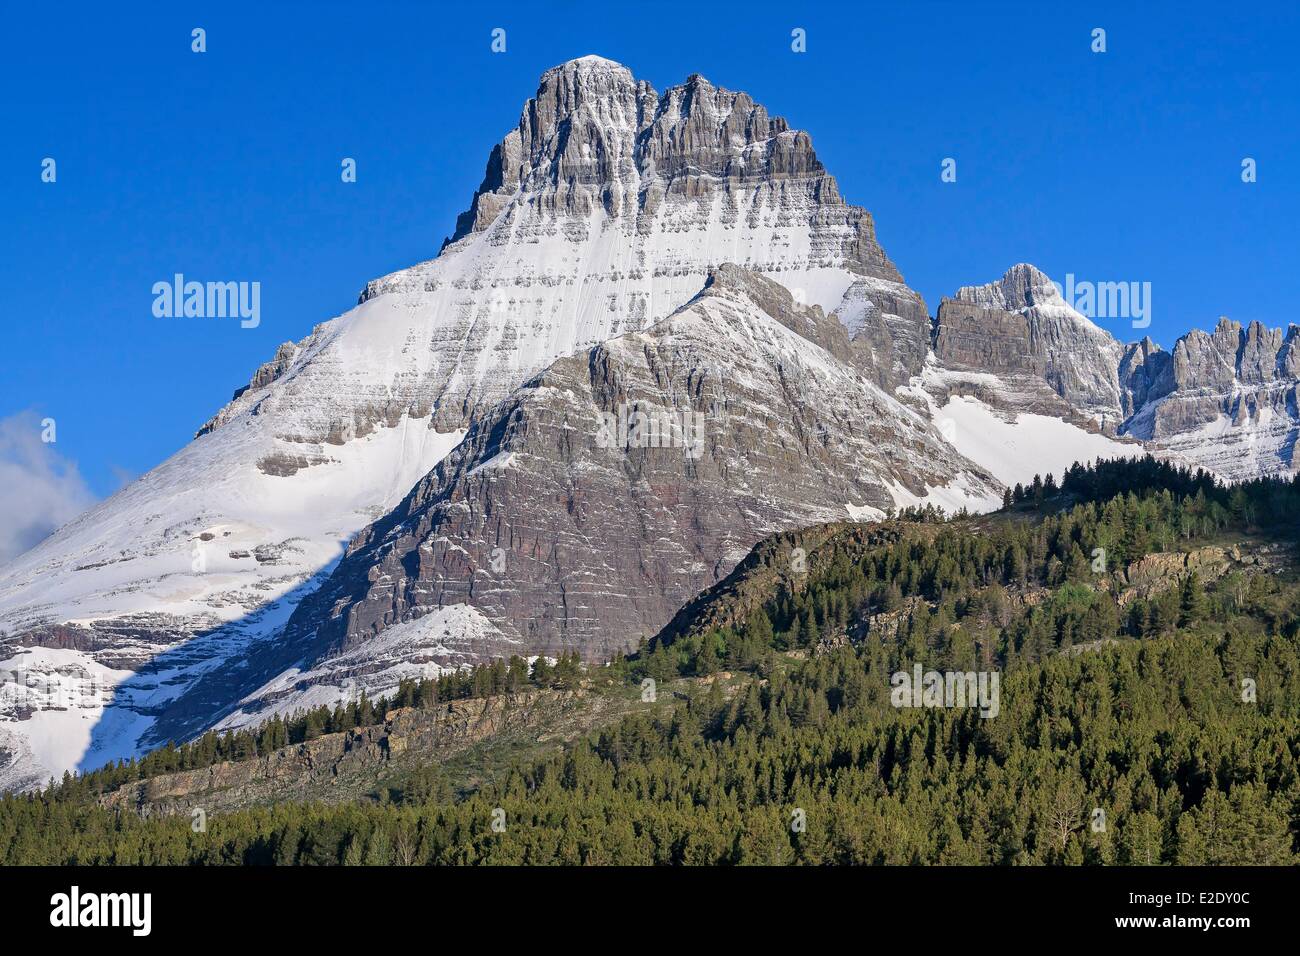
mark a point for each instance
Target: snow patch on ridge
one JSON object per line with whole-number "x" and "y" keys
{"x": 404, "y": 651}
{"x": 248, "y": 538}
{"x": 952, "y": 497}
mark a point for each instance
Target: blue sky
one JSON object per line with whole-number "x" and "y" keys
{"x": 1116, "y": 166}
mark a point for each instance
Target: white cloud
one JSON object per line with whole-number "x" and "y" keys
{"x": 40, "y": 490}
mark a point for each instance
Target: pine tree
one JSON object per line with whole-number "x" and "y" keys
{"x": 1192, "y": 604}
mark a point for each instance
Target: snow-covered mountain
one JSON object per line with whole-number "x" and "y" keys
{"x": 602, "y": 212}
{"x": 1020, "y": 326}
{"x": 1228, "y": 401}
{"x": 627, "y": 250}
{"x": 1014, "y": 353}
{"x": 1020, "y": 382}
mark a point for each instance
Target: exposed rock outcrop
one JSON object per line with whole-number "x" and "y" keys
{"x": 336, "y": 766}
{"x": 1158, "y": 572}
{"x": 1226, "y": 400}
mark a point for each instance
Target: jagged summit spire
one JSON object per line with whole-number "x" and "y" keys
{"x": 1023, "y": 286}
{"x": 594, "y": 137}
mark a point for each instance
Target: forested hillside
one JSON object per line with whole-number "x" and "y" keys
{"x": 1143, "y": 622}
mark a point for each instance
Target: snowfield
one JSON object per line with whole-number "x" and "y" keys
{"x": 1015, "y": 449}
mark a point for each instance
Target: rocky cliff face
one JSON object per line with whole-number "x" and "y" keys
{"x": 608, "y": 205}
{"x": 1226, "y": 400}
{"x": 604, "y": 543}
{"x": 1145, "y": 374}
{"x": 342, "y": 766}
{"x": 1020, "y": 326}
{"x": 595, "y": 139}
{"x": 890, "y": 329}
{"x": 1019, "y": 381}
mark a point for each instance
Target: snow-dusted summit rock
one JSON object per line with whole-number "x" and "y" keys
{"x": 1020, "y": 326}
{"x": 1020, "y": 382}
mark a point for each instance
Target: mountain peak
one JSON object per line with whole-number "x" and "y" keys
{"x": 588, "y": 63}
{"x": 597, "y": 76}
{"x": 594, "y": 138}
{"x": 1021, "y": 324}
{"x": 1023, "y": 286}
